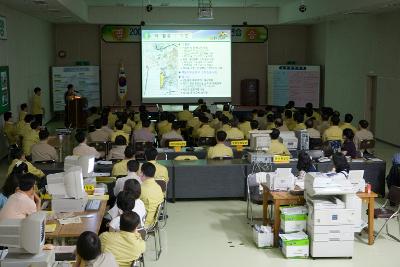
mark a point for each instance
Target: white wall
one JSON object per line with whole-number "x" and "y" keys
{"x": 29, "y": 52}
{"x": 349, "y": 49}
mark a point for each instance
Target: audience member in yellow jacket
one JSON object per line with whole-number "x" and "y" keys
{"x": 205, "y": 129}
{"x": 112, "y": 118}
{"x": 152, "y": 195}
{"x": 226, "y": 112}
{"x": 121, "y": 168}
{"x": 193, "y": 123}
{"x": 270, "y": 123}
{"x": 30, "y": 138}
{"x": 348, "y": 118}
{"x": 92, "y": 116}
{"x": 9, "y": 129}
{"x": 245, "y": 126}
{"x": 225, "y": 124}
{"x": 119, "y": 126}
{"x": 23, "y": 111}
{"x": 234, "y": 133}
{"x": 288, "y": 120}
{"x": 325, "y": 124}
{"x": 185, "y": 114}
{"x": 276, "y": 147}
{"x": 280, "y": 125}
{"x": 37, "y": 108}
{"x": 299, "y": 118}
{"x": 334, "y": 132}
{"x": 127, "y": 244}
{"x": 25, "y": 125}
{"x": 19, "y": 156}
{"x": 220, "y": 150}
{"x": 161, "y": 171}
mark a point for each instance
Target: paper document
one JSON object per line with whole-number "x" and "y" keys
{"x": 105, "y": 162}
{"x": 51, "y": 227}
{"x": 70, "y": 220}
{"x": 294, "y": 236}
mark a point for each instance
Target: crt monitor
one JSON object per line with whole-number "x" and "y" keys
{"x": 85, "y": 162}
{"x": 67, "y": 184}
{"x": 24, "y": 235}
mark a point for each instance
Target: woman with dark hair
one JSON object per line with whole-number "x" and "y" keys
{"x": 340, "y": 164}
{"x": 304, "y": 165}
{"x": 88, "y": 252}
{"x": 348, "y": 147}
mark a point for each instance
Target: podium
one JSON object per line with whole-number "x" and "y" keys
{"x": 76, "y": 117}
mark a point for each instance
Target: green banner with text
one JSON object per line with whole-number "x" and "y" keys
{"x": 4, "y": 89}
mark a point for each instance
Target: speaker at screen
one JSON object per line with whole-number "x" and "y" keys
{"x": 249, "y": 92}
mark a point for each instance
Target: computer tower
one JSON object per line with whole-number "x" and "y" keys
{"x": 249, "y": 92}
{"x": 304, "y": 140}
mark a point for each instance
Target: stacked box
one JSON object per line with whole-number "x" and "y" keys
{"x": 295, "y": 245}
{"x": 293, "y": 219}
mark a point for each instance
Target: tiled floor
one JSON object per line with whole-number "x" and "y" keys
{"x": 216, "y": 233}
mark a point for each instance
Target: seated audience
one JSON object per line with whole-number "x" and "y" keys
{"x": 225, "y": 124}
{"x": 216, "y": 122}
{"x": 126, "y": 128}
{"x": 133, "y": 168}
{"x": 125, "y": 202}
{"x": 88, "y": 252}
{"x": 234, "y": 133}
{"x": 19, "y": 158}
{"x": 119, "y": 126}
{"x": 348, "y": 118}
{"x": 185, "y": 114}
{"x": 270, "y": 124}
{"x": 220, "y": 150}
{"x": 92, "y": 116}
{"x": 105, "y": 128}
{"x": 340, "y": 164}
{"x": 167, "y": 127}
{"x": 126, "y": 245}
{"x": 325, "y": 124}
{"x": 288, "y": 120}
{"x": 276, "y": 147}
{"x": 10, "y": 129}
{"x": 10, "y": 186}
{"x": 206, "y": 112}
{"x": 226, "y": 112}
{"x": 254, "y": 125}
{"x": 134, "y": 188}
{"x": 121, "y": 168}
{"x": 304, "y": 165}
{"x": 43, "y": 151}
{"x": 161, "y": 171}
{"x": 244, "y": 126}
{"x": 144, "y": 134}
{"x": 327, "y": 149}
{"x": 174, "y": 134}
{"x": 83, "y": 149}
{"x": 118, "y": 149}
{"x": 280, "y": 125}
{"x": 24, "y": 201}
{"x": 348, "y": 147}
{"x": 362, "y": 134}
{"x": 24, "y": 125}
{"x": 333, "y": 132}
{"x": 262, "y": 120}
{"x": 312, "y": 132}
{"x": 205, "y": 129}
{"x": 152, "y": 195}
{"x": 100, "y": 134}
{"x": 299, "y": 118}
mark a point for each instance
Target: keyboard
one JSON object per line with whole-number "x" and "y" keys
{"x": 93, "y": 205}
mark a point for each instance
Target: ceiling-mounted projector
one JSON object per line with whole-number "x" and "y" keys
{"x": 205, "y": 9}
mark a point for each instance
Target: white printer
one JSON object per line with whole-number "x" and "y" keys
{"x": 334, "y": 214}
{"x": 289, "y": 139}
{"x": 280, "y": 180}
{"x": 260, "y": 140}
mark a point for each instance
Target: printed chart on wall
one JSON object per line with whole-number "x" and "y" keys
{"x": 292, "y": 82}
{"x": 85, "y": 80}
{"x": 4, "y": 89}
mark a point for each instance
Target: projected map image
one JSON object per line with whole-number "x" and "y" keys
{"x": 162, "y": 62}
{"x": 185, "y": 64}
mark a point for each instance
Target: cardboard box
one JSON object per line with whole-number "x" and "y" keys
{"x": 295, "y": 245}
{"x": 293, "y": 223}
{"x": 263, "y": 236}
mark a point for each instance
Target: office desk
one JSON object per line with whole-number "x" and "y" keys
{"x": 74, "y": 230}
{"x": 209, "y": 179}
{"x": 374, "y": 172}
{"x": 50, "y": 168}
{"x": 285, "y": 198}
{"x": 199, "y": 152}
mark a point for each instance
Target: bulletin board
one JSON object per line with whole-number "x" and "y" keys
{"x": 293, "y": 82}
{"x": 4, "y": 89}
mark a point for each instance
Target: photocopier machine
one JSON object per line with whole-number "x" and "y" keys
{"x": 334, "y": 213}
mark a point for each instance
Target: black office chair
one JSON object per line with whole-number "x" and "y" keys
{"x": 45, "y": 161}
{"x": 315, "y": 144}
{"x": 140, "y": 147}
{"x": 207, "y": 141}
{"x": 163, "y": 215}
{"x": 366, "y": 145}
{"x": 101, "y": 147}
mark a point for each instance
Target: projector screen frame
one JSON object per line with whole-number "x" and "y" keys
{"x": 185, "y": 100}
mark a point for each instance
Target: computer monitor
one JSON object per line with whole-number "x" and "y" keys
{"x": 260, "y": 140}
{"x": 289, "y": 139}
{"x": 85, "y": 162}
{"x": 24, "y": 235}
{"x": 67, "y": 184}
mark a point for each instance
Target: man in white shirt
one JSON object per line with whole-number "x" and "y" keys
{"x": 312, "y": 133}
{"x": 99, "y": 135}
{"x": 133, "y": 167}
{"x": 363, "y": 133}
{"x": 83, "y": 149}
